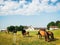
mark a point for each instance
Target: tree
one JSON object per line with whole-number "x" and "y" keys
{"x": 11, "y": 28}
{"x": 17, "y": 28}
{"x": 21, "y": 27}
{"x": 50, "y": 24}
{"x": 58, "y": 24}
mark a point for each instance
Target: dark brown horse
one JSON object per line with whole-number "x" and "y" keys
{"x": 46, "y": 34}
{"x": 24, "y": 33}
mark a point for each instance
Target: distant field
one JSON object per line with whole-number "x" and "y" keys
{"x": 11, "y": 39}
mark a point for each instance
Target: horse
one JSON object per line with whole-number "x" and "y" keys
{"x": 46, "y": 34}
{"x": 24, "y": 33}
{"x": 5, "y": 31}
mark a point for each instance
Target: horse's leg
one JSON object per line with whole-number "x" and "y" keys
{"x": 28, "y": 33}
{"x": 47, "y": 38}
{"x": 25, "y": 34}
{"x": 38, "y": 36}
{"x": 8, "y": 32}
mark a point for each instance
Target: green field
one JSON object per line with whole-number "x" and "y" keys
{"x": 11, "y": 39}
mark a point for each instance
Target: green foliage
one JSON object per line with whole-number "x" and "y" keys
{"x": 57, "y": 23}
{"x": 50, "y": 24}
{"x": 11, "y": 28}
{"x": 21, "y": 27}
{"x": 17, "y": 28}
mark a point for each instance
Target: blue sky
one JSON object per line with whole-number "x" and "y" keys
{"x": 37, "y": 13}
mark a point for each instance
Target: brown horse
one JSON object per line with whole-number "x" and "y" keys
{"x": 46, "y": 34}
{"x": 24, "y": 33}
{"x": 5, "y": 31}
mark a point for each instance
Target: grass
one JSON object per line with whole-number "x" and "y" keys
{"x": 11, "y": 39}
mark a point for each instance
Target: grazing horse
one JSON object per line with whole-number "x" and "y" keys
{"x": 46, "y": 34}
{"x": 5, "y": 31}
{"x": 24, "y": 33}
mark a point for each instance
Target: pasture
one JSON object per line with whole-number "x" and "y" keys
{"x": 18, "y": 39}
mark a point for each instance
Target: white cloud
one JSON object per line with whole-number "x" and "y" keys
{"x": 53, "y": 1}
{"x": 1, "y": 1}
{"x": 13, "y": 8}
{"x": 10, "y": 5}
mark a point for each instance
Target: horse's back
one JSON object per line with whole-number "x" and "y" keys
{"x": 43, "y": 33}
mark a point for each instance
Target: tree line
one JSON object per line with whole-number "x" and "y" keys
{"x": 15, "y": 28}
{"x": 57, "y": 23}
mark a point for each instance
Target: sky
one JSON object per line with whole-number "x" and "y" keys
{"x": 37, "y": 13}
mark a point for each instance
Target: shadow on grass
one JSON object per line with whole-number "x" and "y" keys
{"x": 55, "y": 39}
{"x": 51, "y": 40}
